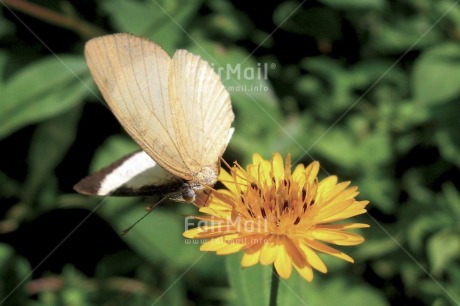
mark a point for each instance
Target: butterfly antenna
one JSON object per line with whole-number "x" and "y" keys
{"x": 208, "y": 195}
{"x": 229, "y": 168}
{"x": 207, "y": 198}
{"x": 149, "y": 210}
{"x": 225, "y": 163}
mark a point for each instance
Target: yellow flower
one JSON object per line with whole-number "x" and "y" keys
{"x": 278, "y": 217}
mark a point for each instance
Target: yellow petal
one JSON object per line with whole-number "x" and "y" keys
{"x": 313, "y": 259}
{"x": 230, "y": 249}
{"x": 219, "y": 203}
{"x": 299, "y": 175}
{"x": 283, "y": 263}
{"x": 242, "y": 181}
{"x": 209, "y": 234}
{"x": 268, "y": 253}
{"x": 306, "y": 272}
{"x": 349, "y": 193}
{"x": 210, "y": 210}
{"x": 348, "y": 212}
{"x": 260, "y": 169}
{"x": 331, "y": 211}
{"x": 343, "y": 226}
{"x": 251, "y": 239}
{"x": 338, "y": 237}
{"x": 253, "y": 170}
{"x": 277, "y": 168}
{"x": 334, "y": 191}
{"x": 328, "y": 250}
{"x": 213, "y": 245}
{"x": 295, "y": 252}
{"x": 192, "y": 233}
{"x": 251, "y": 256}
{"x": 311, "y": 172}
{"x": 327, "y": 184}
{"x": 227, "y": 179}
{"x": 257, "y": 159}
{"x": 361, "y": 204}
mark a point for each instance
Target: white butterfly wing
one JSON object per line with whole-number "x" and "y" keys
{"x": 204, "y": 106}
{"x": 133, "y": 175}
{"x": 132, "y": 75}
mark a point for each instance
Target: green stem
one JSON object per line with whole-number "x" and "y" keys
{"x": 81, "y": 27}
{"x": 274, "y": 287}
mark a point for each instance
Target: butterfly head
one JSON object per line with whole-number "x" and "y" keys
{"x": 188, "y": 192}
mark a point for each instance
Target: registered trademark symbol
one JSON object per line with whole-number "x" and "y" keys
{"x": 272, "y": 66}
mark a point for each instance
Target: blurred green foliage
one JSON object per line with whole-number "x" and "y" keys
{"x": 370, "y": 88}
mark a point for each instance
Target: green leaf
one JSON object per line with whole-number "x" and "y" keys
{"x": 374, "y": 150}
{"x": 436, "y": 74}
{"x": 251, "y": 285}
{"x": 50, "y": 143}
{"x": 424, "y": 225}
{"x": 375, "y": 75}
{"x": 73, "y": 292}
{"x": 356, "y": 4}
{"x": 443, "y": 248}
{"x": 449, "y": 145}
{"x": 165, "y": 22}
{"x": 451, "y": 198}
{"x": 326, "y": 290}
{"x": 409, "y": 114}
{"x": 174, "y": 290}
{"x": 293, "y": 139}
{"x": 43, "y": 89}
{"x": 338, "y": 146}
{"x": 228, "y": 22}
{"x": 6, "y": 26}
{"x": 401, "y": 33}
{"x": 373, "y": 248}
{"x": 14, "y": 273}
{"x": 446, "y": 135}
{"x": 8, "y": 187}
{"x": 321, "y": 23}
{"x": 338, "y": 88}
{"x": 3, "y": 62}
{"x": 379, "y": 188}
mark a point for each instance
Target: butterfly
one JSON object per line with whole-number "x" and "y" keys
{"x": 176, "y": 109}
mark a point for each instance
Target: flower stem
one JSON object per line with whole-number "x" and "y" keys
{"x": 274, "y": 287}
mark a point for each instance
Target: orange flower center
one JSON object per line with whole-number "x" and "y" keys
{"x": 283, "y": 203}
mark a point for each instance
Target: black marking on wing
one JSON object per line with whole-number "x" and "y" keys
{"x": 91, "y": 184}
